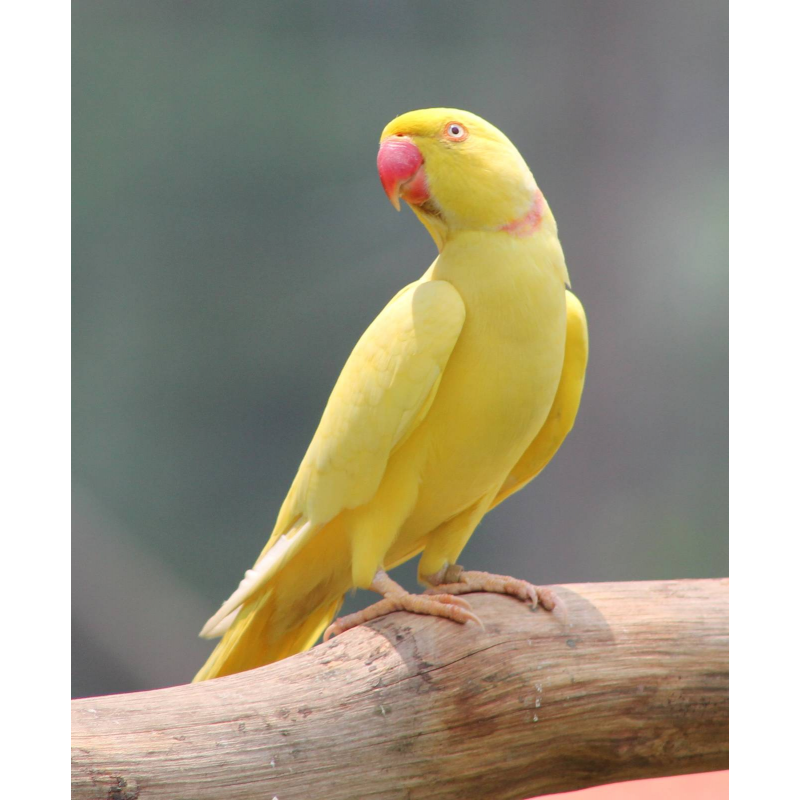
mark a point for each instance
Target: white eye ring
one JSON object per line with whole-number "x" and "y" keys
{"x": 455, "y": 131}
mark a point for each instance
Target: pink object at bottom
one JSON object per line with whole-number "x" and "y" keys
{"x": 702, "y": 786}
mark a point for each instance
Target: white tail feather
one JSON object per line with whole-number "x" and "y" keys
{"x": 283, "y": 549}
{"x": 220, "y": 628}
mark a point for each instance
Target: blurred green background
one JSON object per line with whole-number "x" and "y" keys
{"x": 231, "y": 242}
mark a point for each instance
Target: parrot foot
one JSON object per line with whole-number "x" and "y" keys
{"x": 395, "y": 598}
{"x": 456, "y": 580}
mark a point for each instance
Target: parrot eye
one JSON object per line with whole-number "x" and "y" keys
{"x": 455, "y": 131}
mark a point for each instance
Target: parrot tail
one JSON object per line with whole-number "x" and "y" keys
{"x": 247, "y": 645}
{"x": 283, "y": 604}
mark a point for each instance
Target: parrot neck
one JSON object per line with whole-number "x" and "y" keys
{"x": 528, "y": 242}
{"x": 531, "y": 221}
{"x": 537, "y": 219}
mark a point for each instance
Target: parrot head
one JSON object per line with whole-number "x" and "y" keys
{"x": 458, "y": 173}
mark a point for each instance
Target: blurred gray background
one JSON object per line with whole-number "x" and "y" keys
{"x": 231, "y": 242}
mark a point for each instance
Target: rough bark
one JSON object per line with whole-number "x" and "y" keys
{"x": 634, "y": 685}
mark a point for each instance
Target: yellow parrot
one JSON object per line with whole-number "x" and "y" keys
{"x": 456, "y": 396}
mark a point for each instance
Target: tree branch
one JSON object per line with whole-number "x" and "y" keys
{"x": 634, "y": 685}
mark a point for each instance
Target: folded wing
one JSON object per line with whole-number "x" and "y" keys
{"x": 381, "y": 396}
{"x": 562, "y": 413}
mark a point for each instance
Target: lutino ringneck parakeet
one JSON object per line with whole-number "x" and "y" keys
{"x": 456, "y": 396}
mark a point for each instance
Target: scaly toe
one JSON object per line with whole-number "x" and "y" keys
{"x": 379, "y": 609}
{"x": 502, "y": 584}
{"x": 437, "y": 605}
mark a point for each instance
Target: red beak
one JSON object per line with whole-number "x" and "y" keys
{"x": 400, "y": 169}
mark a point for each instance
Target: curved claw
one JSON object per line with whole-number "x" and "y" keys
{"x": 547, "y": 597}
{"x": 448, "y": 599}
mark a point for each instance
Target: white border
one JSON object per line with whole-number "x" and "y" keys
{"x": 765, "y": 398}
{"x": 35, "y": 336}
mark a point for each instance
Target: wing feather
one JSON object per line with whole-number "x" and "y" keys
{"x": 383, "y": 393}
